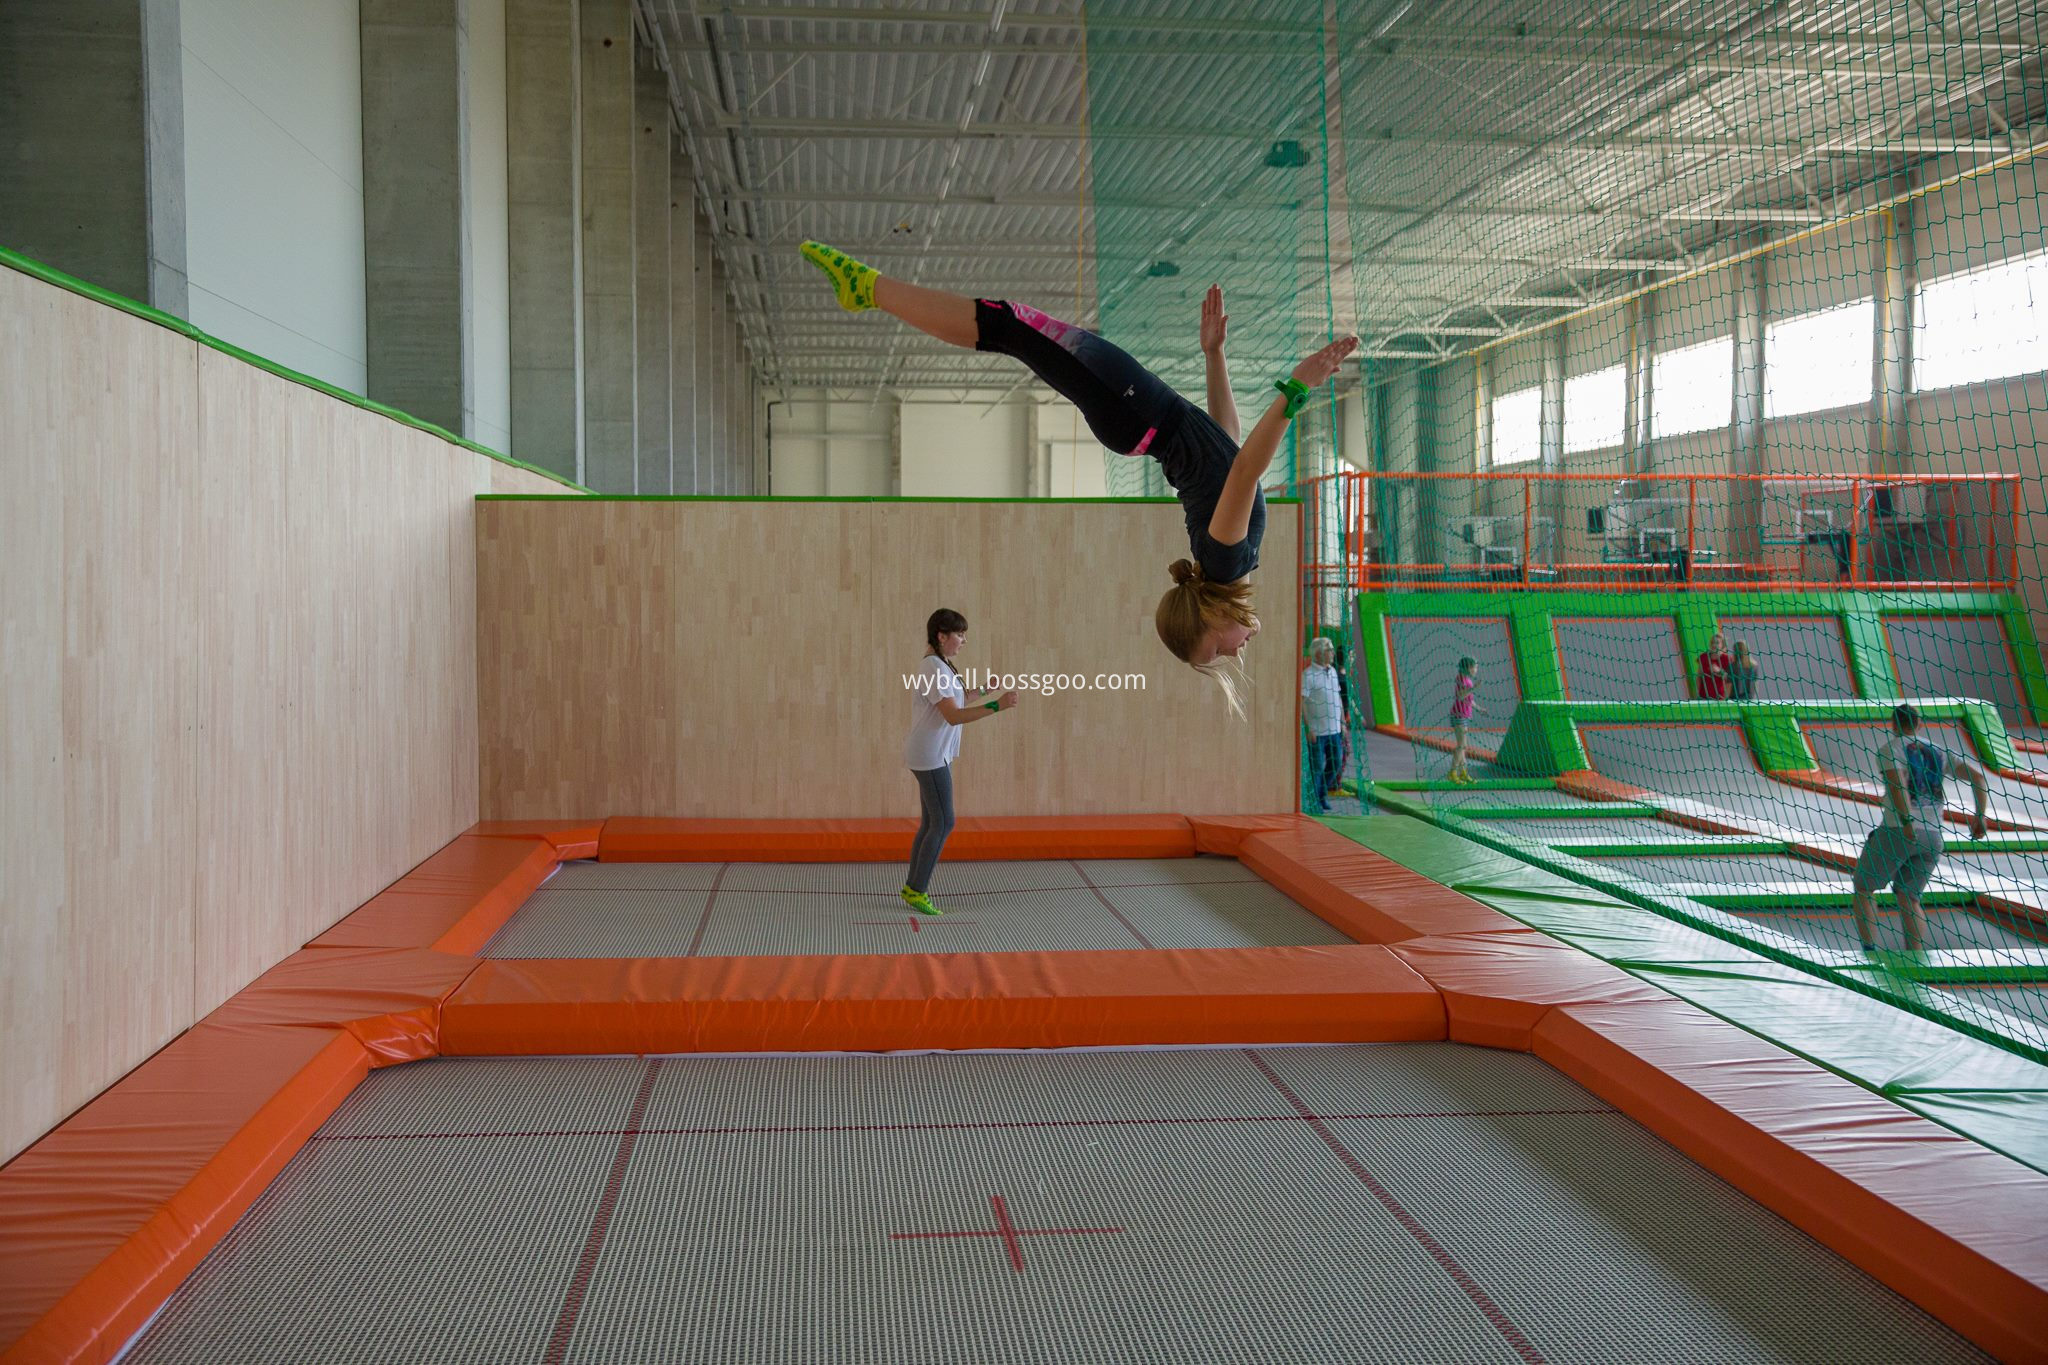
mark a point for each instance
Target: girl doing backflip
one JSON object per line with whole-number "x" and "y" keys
{"x": 1206, "y": 616}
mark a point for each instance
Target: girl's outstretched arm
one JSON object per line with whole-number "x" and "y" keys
{"x": 1215, "y": 325}
{"x": 1233, "y": 517}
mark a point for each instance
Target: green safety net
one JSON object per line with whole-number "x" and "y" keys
{"x": 1714, "y": 331}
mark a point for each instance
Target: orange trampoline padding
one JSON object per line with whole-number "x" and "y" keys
{"x": 106, "y": 1214}
{"x": 1588, "y": 785}
{"x": 1952, "y": 1225}
{"x": 1372, "y": 898}
{"x": 452, "y": 902}
{"x": 951, "y": 1000}
{"x": 1831, "y": 784}
{"x": 1225, "y": 834}
{"x": 571, "y": 838}
{"x": 1436, "y": 742}
{"x": 642, "y": 840}
{"x": 1497, "y": 987}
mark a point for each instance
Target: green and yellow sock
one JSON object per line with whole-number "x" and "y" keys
{"x": 854, "y": 282}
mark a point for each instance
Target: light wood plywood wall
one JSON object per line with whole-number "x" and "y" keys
{"x": 237, "y": 679}
{"x": 747, "y": 659}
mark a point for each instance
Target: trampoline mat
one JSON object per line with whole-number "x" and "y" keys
{"x": 1479, "y": 799}
{"x": 1853, "y": 750}
{"x": 1404, "y": 1203}
{"x": 1712, "y": 764}
{"x": 1831, "y": 926}
{"x": 1730, "y": 870}
{"x": 1425, "y": 666}
{"x": 1798, "y": 658}
{"x": 1956, "y": 656}
{"x": 797, "y": 909}
{"x": 1621, "y": 658}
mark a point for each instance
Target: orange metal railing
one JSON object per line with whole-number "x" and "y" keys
{"x": 1369, "y": 531}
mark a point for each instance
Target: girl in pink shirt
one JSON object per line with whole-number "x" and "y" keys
{"x": 1463, "y": 702}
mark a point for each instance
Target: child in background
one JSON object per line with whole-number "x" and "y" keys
{"x": 1322, "y": 711}
{"x": 1714, "y": 668}
{"x": 1742, "y": 671}
{"x": 938, "y": 708}
{"x": 1464, "y": 701}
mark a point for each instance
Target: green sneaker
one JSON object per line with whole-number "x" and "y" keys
{"x": 920, "y": 902}
{"x": 854, "y": 282}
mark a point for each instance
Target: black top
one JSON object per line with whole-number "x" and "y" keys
{"x": 1196, "y": 455}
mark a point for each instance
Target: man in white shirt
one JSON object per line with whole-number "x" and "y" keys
{"x": 1903, "y": 850}
{"x": 1322, "y": 711}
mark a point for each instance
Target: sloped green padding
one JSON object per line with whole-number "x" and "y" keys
{"x": 1971, "y": 1087}
{"x": 27, "y": 265}
{"x": 1861, "y": 614}
{"x": 1543, "y": 739}
{"x": 1662, "y": 899}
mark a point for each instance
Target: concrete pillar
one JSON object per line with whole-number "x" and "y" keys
{"x": 682, "y": 321}
{"x": 1746, "y": 421}
{"x": 1491, "y": 500}
{"x": 652, "y": 297}
{"x": 720, "y": 386}
{"x": 92, "y": 142}
{"x": 609, "y": 376}
{"x": 1638, "y": 418}
{"x": 707, "y": 295}
{"x": 1894, "y": 278}
{"x": 1429, "y": 499}
{"x": 1549, "y": 504}
{"x": 544, "y": 189}
{"x": 418, "y": 327}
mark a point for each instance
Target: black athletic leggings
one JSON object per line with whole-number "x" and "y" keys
{"x": 1124, "y": 404}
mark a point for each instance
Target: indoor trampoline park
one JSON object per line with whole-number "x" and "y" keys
{"x": 1023, "y": 681}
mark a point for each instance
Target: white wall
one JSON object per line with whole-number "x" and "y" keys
{"x": 274, "y": 180}
{"x": 489, "y": 227}
{"x": 823, "y": 444}
{"x": 964, "y": 448}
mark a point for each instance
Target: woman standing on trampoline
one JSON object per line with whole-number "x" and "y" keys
{"x": 1206, "y": 616}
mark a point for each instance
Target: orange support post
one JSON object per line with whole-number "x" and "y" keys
{"x": 1528, "y": 519}
{"x": 1855, "y": 532}
{"x": 1692, "y": 507}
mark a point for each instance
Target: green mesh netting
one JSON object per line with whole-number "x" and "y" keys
{"x": 1729, "y": 324}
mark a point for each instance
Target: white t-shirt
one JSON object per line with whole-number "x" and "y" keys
{"x": 1322, "y": 707}
{"x": 934, "y": 741}
{"x": 1927, "y": 801}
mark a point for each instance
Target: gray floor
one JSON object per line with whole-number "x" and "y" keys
{"x": 1621, "y": 658}
{"x": 1412, "y": 1203}
{"x": 791, "y": 909}
{"x": 1731, "y": 870}
{"x": 1799, "y": 658}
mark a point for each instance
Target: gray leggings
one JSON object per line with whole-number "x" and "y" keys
{"x": 935, "y": 788}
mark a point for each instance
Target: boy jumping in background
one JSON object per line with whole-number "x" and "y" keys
{"x": 1904, "y": 849}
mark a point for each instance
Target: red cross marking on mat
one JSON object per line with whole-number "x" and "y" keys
{"x": 1011, "y": 1234}
{"x": 917, "y": 925}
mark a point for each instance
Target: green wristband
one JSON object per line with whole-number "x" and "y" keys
{"x": 1295, "y": 392}
{"x": 993, "y": 705}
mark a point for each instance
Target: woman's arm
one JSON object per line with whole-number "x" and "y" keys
{"x": 1232, "y": 519}
{"x": 1215, "y": 324}
{"x": 955, "y": 714}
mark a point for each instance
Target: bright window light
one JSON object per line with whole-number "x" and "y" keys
{"x": 1518, "y": 427}
{"x": 1595, "y": 410}
{"x": 1692, "y": 388}
{"x": 1818, "y": 360}
{"x": 1982, "y": 324}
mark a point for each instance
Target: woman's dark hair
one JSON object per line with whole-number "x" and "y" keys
{"x": 944, "y": 621}
{"x": 1466, "y": 664}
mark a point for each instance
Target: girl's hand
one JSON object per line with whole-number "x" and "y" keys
{"x": 1317, "y": 369}
{"x": 1215, "y": 322}
{"x": 1007, "y": 700}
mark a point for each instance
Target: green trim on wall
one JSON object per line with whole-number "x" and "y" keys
{"x": 28, "y": 265}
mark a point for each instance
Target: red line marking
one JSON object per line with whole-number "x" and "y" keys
{"x": 1132, "y": 928}
{"x": 916, "y": 924}
{"x": 593, "y": 1243}
{"x": 952, "y": 1127}
{"x": 1459, "y": 1275}
{"x": 697, "y": 939}
{"x": 1005, "y": 1229}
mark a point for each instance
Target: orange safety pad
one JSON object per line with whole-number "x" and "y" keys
{"x": 644, "y": 840}
{"x": 1954, "y": 1226}
{"x": 1831, "y": 784}
{"x": 1225, "y": 834}
{"x": 950, "y": 1000}
{"x": 1588, "y": 785}
{"x": 107, "y": 1213}
{"x": 1991, "y": 900}
{"x": 1497, "y": 987}
{"x": 1372, "y": 898}
{"x": 2032, "y": 746}
{"x": 1442, "y": 745}
{"x": 452, "y": 902}
{"x": 105, "y": 1216}
{"x": 571, "y": 838}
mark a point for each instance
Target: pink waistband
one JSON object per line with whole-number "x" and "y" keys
{"x": 1142, "y": 446}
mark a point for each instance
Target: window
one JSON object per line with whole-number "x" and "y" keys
{"x": 1693, "y": 388}
{"x": 1982, "y": 324}
{"x": 1818, "y": 360}
{"x": 1518, "y": 427}
{"x": 1595, "y": 410}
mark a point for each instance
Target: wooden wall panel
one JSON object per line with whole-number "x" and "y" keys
{"x": 746, "y": 659}
{"x": 239, "y": 672}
